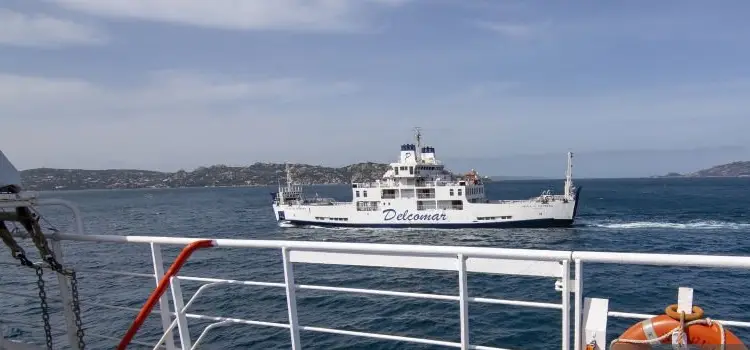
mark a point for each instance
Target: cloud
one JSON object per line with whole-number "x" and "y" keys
{"x": 512, "y": 30}
{"x": 40, "y": 30}
{"x": 163, "y": 90}
{"x": 170, "y": 120}
{"x": 301, "y": 15}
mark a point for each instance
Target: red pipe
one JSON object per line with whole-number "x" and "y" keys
{"x": 161, "y": 288}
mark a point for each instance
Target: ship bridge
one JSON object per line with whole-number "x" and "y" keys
{"x": 419, "y": 176}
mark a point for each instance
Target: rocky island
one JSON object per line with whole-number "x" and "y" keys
{"x": 258, "y": 174}
{"x": 734, "y": 169}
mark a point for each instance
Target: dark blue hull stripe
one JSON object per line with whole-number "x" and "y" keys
{"x": 536, "y": 223}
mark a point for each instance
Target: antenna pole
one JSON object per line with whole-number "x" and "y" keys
{"x": 569, "y": 176}
{"x": 418, "y": 153}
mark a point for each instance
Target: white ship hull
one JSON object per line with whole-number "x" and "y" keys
{"x": 418, "y": 191}
{"x": 497, "y": 214}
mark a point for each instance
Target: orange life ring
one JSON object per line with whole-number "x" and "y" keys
{"x": 700, "y": 332}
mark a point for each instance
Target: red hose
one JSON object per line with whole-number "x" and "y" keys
{"x": 161, "y": 288}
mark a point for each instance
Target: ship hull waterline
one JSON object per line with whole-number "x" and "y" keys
{"x": 545, "y": 222}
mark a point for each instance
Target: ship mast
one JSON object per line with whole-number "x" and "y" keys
{"x": 418, "y": 135}
{"x": 569, "y": 176}
{"x": 288, "y": 176}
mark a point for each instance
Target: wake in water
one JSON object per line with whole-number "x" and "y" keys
{"x": 693, "y": 225}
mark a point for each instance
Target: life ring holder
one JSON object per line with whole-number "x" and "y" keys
{"x": 691, "y": 327}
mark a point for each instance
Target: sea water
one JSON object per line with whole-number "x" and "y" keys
{"x": 685, "y": 216}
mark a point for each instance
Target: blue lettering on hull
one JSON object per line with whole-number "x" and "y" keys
{"x": 391, "y": 214}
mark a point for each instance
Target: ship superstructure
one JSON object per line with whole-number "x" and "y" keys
{"x": 418, "y": 191}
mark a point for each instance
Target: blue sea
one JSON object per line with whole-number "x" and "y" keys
{"x": 685, "y": 216}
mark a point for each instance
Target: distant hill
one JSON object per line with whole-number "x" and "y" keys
{"x": 734, "y": 169}
{"x": 258, "y": 174}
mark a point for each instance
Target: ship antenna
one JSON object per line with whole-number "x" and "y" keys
{"x": 288, "y": 175}
{"x": 418, "y": 152}
{"x": 569, "y": 176}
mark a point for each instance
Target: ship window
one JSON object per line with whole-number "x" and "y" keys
{"x": 459, "y": 191}
{"x": 357, "y": 193}
{"x": 364, "y": 193}
{"x": 395, "y": 169}
{"x": 411, "y": 170}
{"x": 451, "y": 191}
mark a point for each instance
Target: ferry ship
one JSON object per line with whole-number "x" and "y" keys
{"x": 418, "y": 191}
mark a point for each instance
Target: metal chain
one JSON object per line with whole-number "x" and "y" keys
{"x": 76, "y": 308}
{"x": 30, "y": 221}
{"x": 45, "y": 312}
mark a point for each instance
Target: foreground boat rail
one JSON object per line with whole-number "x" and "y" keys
{"x": 589, "y": 315}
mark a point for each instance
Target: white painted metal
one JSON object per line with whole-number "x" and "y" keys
{"x": 67, "y": 298}
{"x": 166, "y": 315}
{"x": 291, "y": 299}
{"x": 595, "y": 312}
{"x": 463, "y": 294}
{"x": 685, "y": 300}
{"x": 566, "y": 305}
{"x": 417, "y": 256}
{"x": 483, "y": 265}
{"x": 577, "y": 342}
{"x": 208, "y": 328}
{"x": 182, "y": 325}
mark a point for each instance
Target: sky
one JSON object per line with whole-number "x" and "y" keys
{"x": 634, "y": 88}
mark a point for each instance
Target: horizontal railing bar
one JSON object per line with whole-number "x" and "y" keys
{"x": 115, "y": 272}
{"x": 391, "y": 337}
{"x": 379, "y": 292}
{"x": 384, "y": 292}
{"x": 219, "y": 280}
{"x": 516, "y": 303}
{"x": 381, "y": 336}
{"x": 339, "y": 331}
{"x": 237, "y": 320}
{"x": 647, "y": 316}
{"x": 663, "y": 259}
{"x": 423, "y": 250}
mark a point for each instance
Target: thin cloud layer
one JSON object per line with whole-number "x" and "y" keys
{"x": 163, "y": 90}
{"x": 295, "y": 15}
{"x": 44, "y": 31}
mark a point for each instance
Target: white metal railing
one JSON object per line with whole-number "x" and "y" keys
{"x": 460, "y": 259}
{"x": 541, "y": 263}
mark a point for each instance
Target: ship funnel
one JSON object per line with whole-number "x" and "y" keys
{"x": 428, "y": 155}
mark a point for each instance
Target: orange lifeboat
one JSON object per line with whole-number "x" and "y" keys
{"x": 678, "y": 328}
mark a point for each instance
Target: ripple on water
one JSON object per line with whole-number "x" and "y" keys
{"x": 615, "y": 215}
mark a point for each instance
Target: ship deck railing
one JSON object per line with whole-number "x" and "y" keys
{"x": 584, "y": 318}
{"x": 396, "y": 185}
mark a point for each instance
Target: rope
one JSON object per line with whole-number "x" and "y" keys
{"x": 707, "y": 321}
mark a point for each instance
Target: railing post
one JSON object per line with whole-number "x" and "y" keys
{"x": 578, "y": 295}
{"x": 67, "y": 298}
{"x": 463, "y": 293}
{"x": 166, "y": 317}
{"x": 595, "y": 314}
{"x": 291, "y": 299}
{"x": 179, "y": 304}
{"x": 566, "y": 305}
